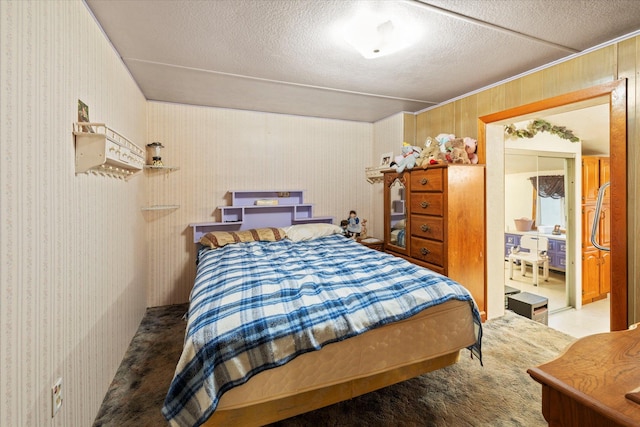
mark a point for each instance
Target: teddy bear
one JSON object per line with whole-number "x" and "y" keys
{"x": 407, "y": 160}
{"x": 470, "y": 146}
{"x": 442, "y": 139}
{"x": 430, "y": 154}
{"x": 456, "y": 152}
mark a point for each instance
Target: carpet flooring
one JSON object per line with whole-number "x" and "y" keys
{"x": 500, "y": 393}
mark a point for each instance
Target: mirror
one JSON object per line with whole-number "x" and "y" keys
{"x": 535, "y": 184}
{"x": 397, "y": 214}
{"x": 534, "y": 189}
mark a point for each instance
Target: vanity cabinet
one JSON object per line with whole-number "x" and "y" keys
{"x": 557, "y": 250}
{"x": 511, "y": 240}
{"x": 557, "y": 254}
{"x": 596, "y": 265}
{"x": 435, "y": 218}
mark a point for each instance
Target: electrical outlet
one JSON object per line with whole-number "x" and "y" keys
{"x": 56, "y": 397}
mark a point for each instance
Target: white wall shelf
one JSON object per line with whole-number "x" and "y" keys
{"x": 374, "y": 174}
{"x": 160, "y": 207}
{"x": 102, "y": 150}
{"x": 165, "y": 168}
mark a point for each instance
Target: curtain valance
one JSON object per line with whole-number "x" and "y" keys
{"x": 549, "y": 185}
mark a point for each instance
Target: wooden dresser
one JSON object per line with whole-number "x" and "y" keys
{"x": 435, "y": 218}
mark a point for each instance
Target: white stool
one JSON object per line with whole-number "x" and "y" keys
{"x": 536, "y": 255}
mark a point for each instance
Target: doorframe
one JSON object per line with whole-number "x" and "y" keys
{"x": 617, "y": 94}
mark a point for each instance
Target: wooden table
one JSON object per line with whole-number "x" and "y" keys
{"x": 586, "y": 385}
{"x": 372, "y": 242}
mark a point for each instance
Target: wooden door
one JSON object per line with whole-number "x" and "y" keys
{"x": 588, "y": 215}
{"x": 604, "y": 231}
{"x": 604, "y": 175}
{"x": 605, "y": 272}
{"x": 590, "y": 276}
{"x": 590, "y": 179}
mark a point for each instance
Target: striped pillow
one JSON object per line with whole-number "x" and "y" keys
{"x": 218, "y": 239}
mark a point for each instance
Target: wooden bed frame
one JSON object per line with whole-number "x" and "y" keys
{"x": 280, "y": 409}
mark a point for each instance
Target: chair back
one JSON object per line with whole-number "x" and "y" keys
{"x": 534, "y": 244}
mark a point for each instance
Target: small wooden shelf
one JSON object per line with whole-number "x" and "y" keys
{"x": 160, "y": 207}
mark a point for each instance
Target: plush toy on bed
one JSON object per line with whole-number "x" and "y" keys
{"x": 407, "y": 160}
{"x": 430, "y": 154}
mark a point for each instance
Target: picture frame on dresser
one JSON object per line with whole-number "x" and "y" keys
{"x": 385, "y": 159}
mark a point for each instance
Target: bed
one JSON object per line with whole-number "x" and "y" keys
{"x": 284, "y": 321}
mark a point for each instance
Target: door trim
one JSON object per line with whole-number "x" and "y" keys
{"x": 617, "y": 93}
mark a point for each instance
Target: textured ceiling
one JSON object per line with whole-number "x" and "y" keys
{"x": 284, "y": 56}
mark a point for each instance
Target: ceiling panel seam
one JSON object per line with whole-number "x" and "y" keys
{"x": 489, "y": 25}
{"x": 241, "y": 76}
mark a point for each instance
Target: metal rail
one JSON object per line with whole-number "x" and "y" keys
{"x": 596, "y": 218}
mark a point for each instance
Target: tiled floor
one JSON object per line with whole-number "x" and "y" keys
{"x": 590, "y": 319}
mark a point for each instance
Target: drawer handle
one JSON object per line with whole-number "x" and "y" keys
{"x": 424, "y": 181}
{"x": 425, "y": 251}
{"x": 425, "y": 205}
{"x": 425, "y": 227}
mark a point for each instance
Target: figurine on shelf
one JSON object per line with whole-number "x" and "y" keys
{"x": 155, "y": 148}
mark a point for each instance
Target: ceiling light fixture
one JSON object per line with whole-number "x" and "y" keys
{"x": 374, "y": 36}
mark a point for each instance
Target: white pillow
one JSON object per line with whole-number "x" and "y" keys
{"x": 298, "y": 233}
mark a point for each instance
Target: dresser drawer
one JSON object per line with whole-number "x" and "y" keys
{"x": 427, "y": 180}
{"x": 428, "y": 227}
{"x": 427, "y": 250}
{"x": 427, "y": 203}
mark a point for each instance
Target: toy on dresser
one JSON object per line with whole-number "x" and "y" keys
{"x": 407, "y": 160}
{"x": 455, "y": 151}
{"x": 446, "y": 148}
{"x": 431, "y": 153}
{"x": 470, "y": 145}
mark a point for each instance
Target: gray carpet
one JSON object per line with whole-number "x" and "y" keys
{"x": 499, "y": 394}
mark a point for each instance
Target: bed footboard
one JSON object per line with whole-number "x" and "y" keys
{"x": 280, "y": 409}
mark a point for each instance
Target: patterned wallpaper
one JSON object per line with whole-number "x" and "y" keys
{"x": 219, "y": 150}
{"x": 73, "y": 250}
{"x": 77, "y": 253}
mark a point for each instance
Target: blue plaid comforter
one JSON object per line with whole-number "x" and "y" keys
{"x": 258, "y": 305}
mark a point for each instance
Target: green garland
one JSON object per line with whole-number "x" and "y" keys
{"x": 540, "y": 125}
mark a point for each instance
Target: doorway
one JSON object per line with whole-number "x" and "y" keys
{"x": 493, "y": 156}
{"x": 539, "y": 191}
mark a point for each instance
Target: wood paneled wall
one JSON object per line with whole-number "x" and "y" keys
{"x": 607, "y": 64}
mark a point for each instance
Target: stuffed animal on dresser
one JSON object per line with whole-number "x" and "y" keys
{"x": 470, "y": 146}
{"x": 456, "y": 152}
{"x": 407, "y": 160}
{"x": 430, "y": 154}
